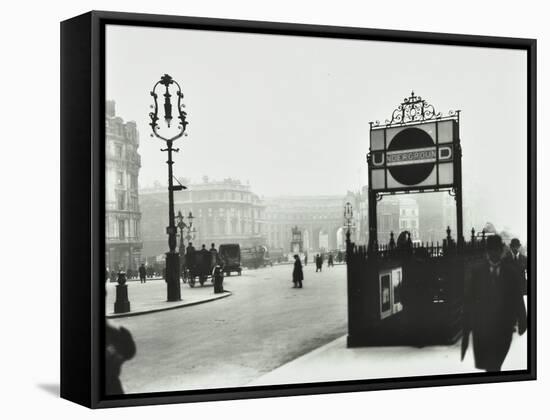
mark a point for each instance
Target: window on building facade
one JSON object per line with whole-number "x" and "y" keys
{"x": 120, "y": 200}
{"x": 134, "y": 182}
{"x": 121, "y": 229}
{"x": 118, "y": 151}
{"x": 120, "y": 178}
{"x": 403, "y": 224}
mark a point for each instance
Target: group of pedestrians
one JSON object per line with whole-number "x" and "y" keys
{"x": 319, "y": 260}
{"x": 298, "y": 272}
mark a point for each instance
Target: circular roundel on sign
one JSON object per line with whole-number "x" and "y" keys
{"x": 411, "y": 173}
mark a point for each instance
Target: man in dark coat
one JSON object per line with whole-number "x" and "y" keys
{"x": 142, "y": 273}
{"x": 318, "y": 263}
{"x": 214, "y": 255}
{"x": 520, "y": 262}
{"x": 205, "y": 254}
{"x": 190, "y": 256}
{"x": 493, "y": 307}
{"x": 297, "y": 273}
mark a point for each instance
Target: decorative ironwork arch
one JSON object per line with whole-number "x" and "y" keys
{"x": 414, "y": 109}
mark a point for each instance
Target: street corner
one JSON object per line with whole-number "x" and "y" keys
{"x": 147, "y": 300}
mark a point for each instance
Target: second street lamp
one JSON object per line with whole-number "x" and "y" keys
{"x": 190, "y": 229}
{"x": 181, "y": 225}
{"x": 169, "y": 134}
{"x": 348, "y": 217}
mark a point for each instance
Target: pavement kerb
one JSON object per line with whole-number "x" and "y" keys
{"x": 226, "y": 293}
{"x": 300, "y": 359}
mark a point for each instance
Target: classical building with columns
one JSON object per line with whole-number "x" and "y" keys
{"x": 319, "y": 218}
{"x": 122, "y": 213}
{"x": 225, "y": 211}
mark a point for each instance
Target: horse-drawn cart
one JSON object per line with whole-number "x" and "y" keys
{"x": 199, "y": 269}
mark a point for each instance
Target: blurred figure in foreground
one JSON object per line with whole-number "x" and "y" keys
{"x": 119, "y": 347}
{"x": 520, "y": 262}
{"x": 493, "y": 306}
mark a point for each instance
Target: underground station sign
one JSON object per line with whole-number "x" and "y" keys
{"x": 413, "y": 157}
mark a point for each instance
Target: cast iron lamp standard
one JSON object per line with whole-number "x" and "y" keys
{"x": 190, "y": 229}
{"x": 168, "y": 135}
{"x": 181, "y": 225}
{"x": 348, "y": 217}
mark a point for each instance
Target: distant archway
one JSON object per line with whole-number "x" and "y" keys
{"x": 340, "y": 239}
{"x": 323, "y": 240}
{"x": 305, "y": 240}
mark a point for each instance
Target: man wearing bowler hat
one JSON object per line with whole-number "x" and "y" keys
{"x": 493, "y": 307}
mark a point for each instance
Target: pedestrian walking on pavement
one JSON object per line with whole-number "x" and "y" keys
{"x": 330, "y": 260}
{"x": 297, "y": 273}
{"x": 142, "y": 273}
{"x": 318, "y": 263}
{"x": 493, "y": 307}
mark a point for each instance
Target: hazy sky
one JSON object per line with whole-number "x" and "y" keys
{"x": 291, "y": 114}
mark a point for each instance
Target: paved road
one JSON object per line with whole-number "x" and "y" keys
{"x": 233, "y": 341}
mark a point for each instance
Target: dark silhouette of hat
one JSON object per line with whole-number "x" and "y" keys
{"x": 515, "y": 242}
{"x": 494, "y": 242}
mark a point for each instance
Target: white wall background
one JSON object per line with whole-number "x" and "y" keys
{"x": 29, "y": 296}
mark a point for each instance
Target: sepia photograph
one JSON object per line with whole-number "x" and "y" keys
{"x": 287, "y": 209}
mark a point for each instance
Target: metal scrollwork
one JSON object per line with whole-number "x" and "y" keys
{"x": 412, "y": 109}
{"x": 167, "y": 81}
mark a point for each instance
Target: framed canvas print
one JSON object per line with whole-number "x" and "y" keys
{"x": 255, "y": 209}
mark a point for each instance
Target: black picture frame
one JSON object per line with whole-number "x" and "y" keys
{"x": 82, "y": 205}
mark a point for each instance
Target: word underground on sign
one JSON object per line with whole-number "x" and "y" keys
{"x": 409, "y": 157}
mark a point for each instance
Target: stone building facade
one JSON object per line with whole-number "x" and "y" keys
{"x": 122, "y": 213}
{"x": 319, "y": 218}
{"x": 425, "y": 216}
{"x": 224, "y": 212}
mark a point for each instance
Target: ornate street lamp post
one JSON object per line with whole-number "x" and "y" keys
{"x": 190, "y": 229}
{"x": 348, "y": 217}
{"x": 168, "y": 135}
{"x": 181, "y": 225}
